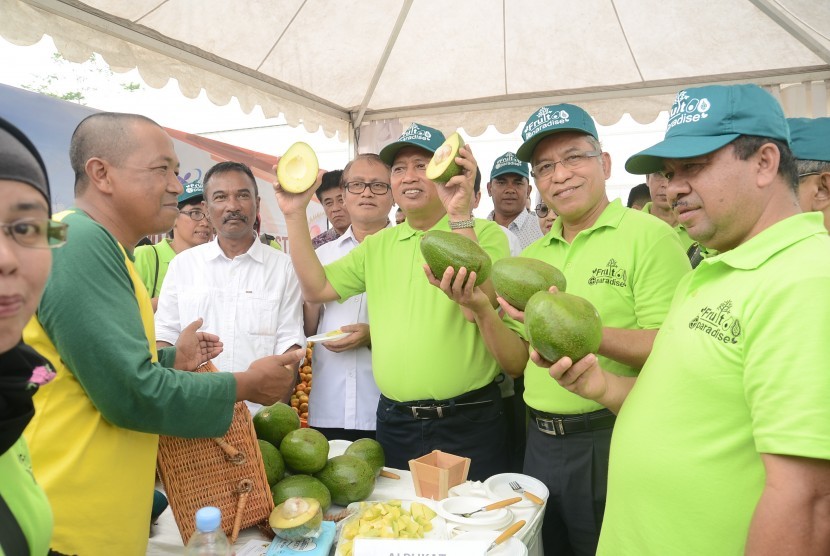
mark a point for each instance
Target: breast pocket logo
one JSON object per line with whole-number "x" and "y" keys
{"x": 612, "y": 275}
{"x": 718, "y": 323}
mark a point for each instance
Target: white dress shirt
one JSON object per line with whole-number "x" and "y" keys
{"x": 344, "y": 395}
{"x": 252, "y": 302}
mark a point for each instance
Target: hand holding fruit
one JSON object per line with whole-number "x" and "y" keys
{"x": 297, "y": 177}
{"x": 359, "y": 337}
{"x": 584, "y": 378}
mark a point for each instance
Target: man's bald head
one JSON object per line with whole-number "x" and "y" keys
{"x": 105, "y": 135}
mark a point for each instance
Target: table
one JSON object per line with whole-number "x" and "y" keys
{"x": 166, "y": 540}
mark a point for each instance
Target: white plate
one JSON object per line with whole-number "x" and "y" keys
{"x": 328, "y": 336}
{"x": 493, "y": 519}
{"x": 499, "y": 488}
{"x": 510, "y": 547}
{"x": 338, "y": 447}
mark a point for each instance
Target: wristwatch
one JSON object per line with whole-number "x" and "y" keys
{"x": 461, "y": 224}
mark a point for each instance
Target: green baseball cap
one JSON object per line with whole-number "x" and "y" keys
{"x": 810, "y": 138}
{"x": 509, "y": 164}
{"x": 553, "y": 119}
{"x": 416, "y": 135}
{"x": 704, "y": 119}
{"x": 191, "y": 190}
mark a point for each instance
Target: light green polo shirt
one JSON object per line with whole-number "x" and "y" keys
{"x": 680, "y": 229}
{"x": 627, "y": 265}
{"x": 145, "y": 264}
{"x": 739, "y": 368}
{"x": 422, "y": 346}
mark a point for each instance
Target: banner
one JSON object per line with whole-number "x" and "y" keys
{"x": 49, "y": 123}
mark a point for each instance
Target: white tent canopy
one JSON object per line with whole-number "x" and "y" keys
{"x": 343, "y": 64}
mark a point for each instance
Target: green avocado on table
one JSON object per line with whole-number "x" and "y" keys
{"x": 447, "y": 249}
{"x": 562, "y": 325}
{"x": 516, "y": 279}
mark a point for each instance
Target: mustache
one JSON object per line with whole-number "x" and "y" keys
{"x": 234, "y": 216}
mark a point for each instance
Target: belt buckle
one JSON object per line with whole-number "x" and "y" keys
{"x": 552, "y": 427}
{"x": 429, "y": 412}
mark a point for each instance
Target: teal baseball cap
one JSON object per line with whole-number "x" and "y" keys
{"x": 555, "y": 118}
{"x": 416, "y": 135}
{"x": 509, "y": 164}
{"x": 191, "y": 191}
{"x": 704, "y": 119}
{"x": 810, "y": 138}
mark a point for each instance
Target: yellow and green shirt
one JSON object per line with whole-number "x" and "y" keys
{"x": 93, "y": 439}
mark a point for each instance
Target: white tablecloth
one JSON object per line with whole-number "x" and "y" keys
{"x": 165, "y": 538}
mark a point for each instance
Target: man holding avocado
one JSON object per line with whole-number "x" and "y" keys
{"x": 721, "y": 445}
{"x": 435, "y": 376}
{"x": 626, "y": 264}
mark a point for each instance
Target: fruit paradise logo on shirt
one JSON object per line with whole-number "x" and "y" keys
{"x": 718, "y": 323}
{"x": 612, "y": 275}
{"x": 687, "y": 110}
{"x": 545, "y": 118}
{"x": 415, "y": 133}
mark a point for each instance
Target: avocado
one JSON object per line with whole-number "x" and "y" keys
{"x": 273, "y": 422}
{"x": 562, "y": 325}
{"x": 370, "y": 451}
{"x": 305, "y": 450}
{"x": 297, "y": 168}
{"x": 297, "y": 519}
{"x": 444, "y": 249}
{"x": 272, "y": 460}
{"x": 442, "y": 167}
{"x": 516, "y": 279}
{"x": 303, "y": 486}
{"x": 348, "y": 478}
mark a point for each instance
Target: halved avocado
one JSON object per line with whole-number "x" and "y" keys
{"x": 442, "y": 167}
{"x": 296, "y": 519}
{"x": 298, "y": 167}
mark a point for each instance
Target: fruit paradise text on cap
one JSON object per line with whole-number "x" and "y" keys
{"x": 509, "y": 164}
{"x": 810, "y": 138}
{"x": 704, "y": 119}
{"x": 416, "y": 135}
{"x": 554, "y": 119}
{"x": 191, "y": 190}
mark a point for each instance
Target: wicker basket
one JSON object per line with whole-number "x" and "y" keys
{"x": 227, "y": 473}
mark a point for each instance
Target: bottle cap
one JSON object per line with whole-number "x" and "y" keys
{"x": 208, "y": 518}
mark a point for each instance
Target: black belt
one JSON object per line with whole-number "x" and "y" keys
{"x": 438, "y": 409}
{"x": 560, "y": 425}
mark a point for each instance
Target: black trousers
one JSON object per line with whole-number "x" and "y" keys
{"x": 478, "y": 433}
{"x": 574, "y": 467}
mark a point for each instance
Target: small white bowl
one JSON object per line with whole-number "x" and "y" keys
{"x": 493, "y": 519}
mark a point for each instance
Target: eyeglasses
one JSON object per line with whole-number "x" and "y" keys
{"x": 571, "y": 162}
{"x": 358, "y": 187}
{"x": 542, "y": 210}
{"x": 37, "y": 233}
{"x": 805, "y": 174}
{"x": 196, "y": 215}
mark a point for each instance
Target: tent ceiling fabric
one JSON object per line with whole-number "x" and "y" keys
{"x": 467, "y": 63}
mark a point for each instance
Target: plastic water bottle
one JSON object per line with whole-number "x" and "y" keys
{"x": 209, "y": 539}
